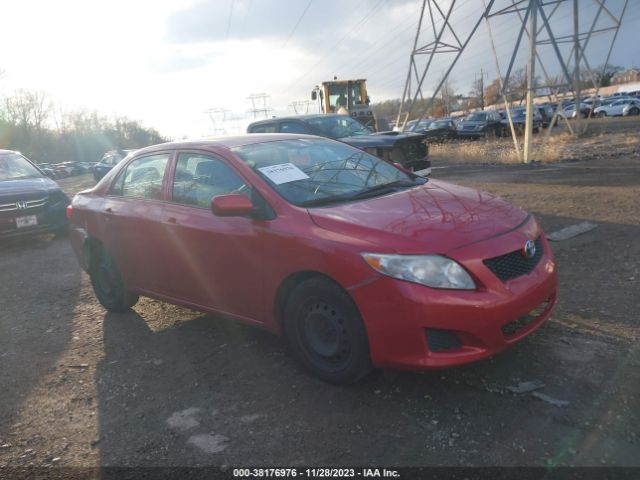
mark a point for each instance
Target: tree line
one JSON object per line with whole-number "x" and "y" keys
{"x": 32, "y": 124}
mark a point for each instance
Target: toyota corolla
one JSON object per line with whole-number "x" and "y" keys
{"x": 358, "y": 263}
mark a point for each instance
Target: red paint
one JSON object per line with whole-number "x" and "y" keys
{"x": 235, "y": 264}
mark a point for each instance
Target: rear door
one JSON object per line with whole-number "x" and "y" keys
{"x": 133, "y": 221}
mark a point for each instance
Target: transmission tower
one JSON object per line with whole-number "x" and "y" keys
{"x": 436, "y": 25}
{"x": 218, "y": 117}
{"x": 260, "y": 105}
{"x": 300, "y": 107}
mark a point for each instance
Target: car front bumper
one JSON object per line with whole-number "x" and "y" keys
{"x": 51, "y": 218}
{"x": 405, "y": 322}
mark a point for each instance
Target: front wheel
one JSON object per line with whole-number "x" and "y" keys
{"x": 602, "y": 114}
{"x": 325, "y": 331}
{"x": 108, "y": 285}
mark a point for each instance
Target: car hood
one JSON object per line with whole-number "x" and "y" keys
{"x": 382, "y": 139}
{"x": 437, "y": 217}
{"x": 27, "y": 186}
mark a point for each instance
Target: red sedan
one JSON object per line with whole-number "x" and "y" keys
{"x": 359, "y": 263}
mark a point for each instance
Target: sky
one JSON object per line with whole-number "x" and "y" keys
{"x": 167, "y": 63}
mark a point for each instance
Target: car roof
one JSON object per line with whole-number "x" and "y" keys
{"x": 226, "y": 143}
{"x": 300, "y": 117}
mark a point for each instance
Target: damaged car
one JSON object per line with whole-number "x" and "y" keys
{"x": 407, "y": 149}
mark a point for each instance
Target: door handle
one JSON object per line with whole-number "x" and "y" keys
{"x": 172, "y": 220}
{"x": 108, "y": 210}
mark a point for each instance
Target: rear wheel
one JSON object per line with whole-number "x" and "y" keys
{"x": 634, "y": 111}
{"x": 326, "y": 333}
{"x": 107, "y": 283}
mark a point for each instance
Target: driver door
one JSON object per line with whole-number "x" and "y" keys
{"x": 216, "y": 262}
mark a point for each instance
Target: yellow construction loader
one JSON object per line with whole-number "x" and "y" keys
{"x": 345, "y": 96}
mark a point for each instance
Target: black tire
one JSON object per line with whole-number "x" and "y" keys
{"x": 107, "y": 283}
{"x": 325, "y": 331}
{"x": 634, "y": 111}
{"x": 602, "y": 114}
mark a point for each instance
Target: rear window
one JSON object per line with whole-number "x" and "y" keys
{"x": 263, "y": 128}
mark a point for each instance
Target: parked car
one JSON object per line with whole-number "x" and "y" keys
{"x": 615, "y": 109}
{"x": 569, "y": 110}
{"x": 480, "y": 124}
{"x": 108, "y": 161}
{"x": 408, "y": 149}
{"x": 30, "y": 202}
{"x": 419, "y": 127}
{"x": 519, "y": 117}
{"x": 48, "y": 170}
{"x": 546, "y": 115}
{"x": 358, "y": 262}
{"x": 632, "y": 108}
{"x": 440, "y": 130}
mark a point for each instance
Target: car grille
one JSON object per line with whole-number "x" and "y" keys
{"x": 516, "y": 326}
{"x": 24, "y": 205}
{"x": 514, "y": 264}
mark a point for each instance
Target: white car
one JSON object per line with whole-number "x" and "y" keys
{"x": 615, "y": 109}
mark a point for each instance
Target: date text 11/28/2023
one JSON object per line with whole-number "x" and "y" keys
{"x": 315, "y": 473}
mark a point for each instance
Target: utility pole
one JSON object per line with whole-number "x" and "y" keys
{"x": 528, "y": 126}
{"x": 481, "y": 89}
{"x": 576, "y": 71}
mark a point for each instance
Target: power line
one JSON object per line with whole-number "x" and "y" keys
{"x": 297, "y": 23}
{"x": 335, "y": 45}
{"x": 229, "y": 21}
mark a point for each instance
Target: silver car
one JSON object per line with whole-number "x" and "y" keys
{"x": 615, "y": 109}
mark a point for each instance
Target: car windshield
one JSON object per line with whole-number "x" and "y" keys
{"x": 477, "y": 117}
{"x": 338, "y": 126}
{"x": 314, "y": 172}
{"x": 14, "y": 166}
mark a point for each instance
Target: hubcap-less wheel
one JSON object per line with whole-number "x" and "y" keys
{"x": 108, "y": 285}
{"x": 325, "y": 331}
{"x": 324, "y": 334}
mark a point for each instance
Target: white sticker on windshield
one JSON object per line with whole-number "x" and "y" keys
{"x": 283, "y": 173}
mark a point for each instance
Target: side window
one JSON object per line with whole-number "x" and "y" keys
{"x": 142, "y": 178}
{"x": 264, "y": 128}
{"x": 293, "y": 127}
{"x": 199, "y": 178}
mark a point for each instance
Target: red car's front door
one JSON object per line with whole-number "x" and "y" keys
{"x": 215, "y": 262}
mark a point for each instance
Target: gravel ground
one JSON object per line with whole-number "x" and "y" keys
{"x": 165, "y": 386}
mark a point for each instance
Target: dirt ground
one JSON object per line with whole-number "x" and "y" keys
{"x": 165, "y": 386}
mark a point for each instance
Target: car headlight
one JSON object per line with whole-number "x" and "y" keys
{"x": 431, "y": 270}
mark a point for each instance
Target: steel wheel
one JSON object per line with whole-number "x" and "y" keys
{"x": 107, "y": 283}
{"x": 326, "y": 333}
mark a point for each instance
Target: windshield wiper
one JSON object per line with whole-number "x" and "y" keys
{"x": 384, "y": 188}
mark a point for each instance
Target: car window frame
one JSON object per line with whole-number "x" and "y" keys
{"x": 122, "y": 172}
{"x": 205, "y": 153}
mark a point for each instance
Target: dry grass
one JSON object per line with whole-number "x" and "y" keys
{"x": 602, "y": 139}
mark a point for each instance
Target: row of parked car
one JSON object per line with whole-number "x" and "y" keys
{"x": 486, "y": 123}
{"x": 66, "y": 169}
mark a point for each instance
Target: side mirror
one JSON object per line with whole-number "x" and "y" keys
{"x": 367, "y": 100}
{"x": 314, "y": 95}
{"x": 232, "y": 205}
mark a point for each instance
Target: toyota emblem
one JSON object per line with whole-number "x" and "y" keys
{"x": 529, "y": 249}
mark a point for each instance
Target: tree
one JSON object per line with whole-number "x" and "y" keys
{"x": 492, "y": 94}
